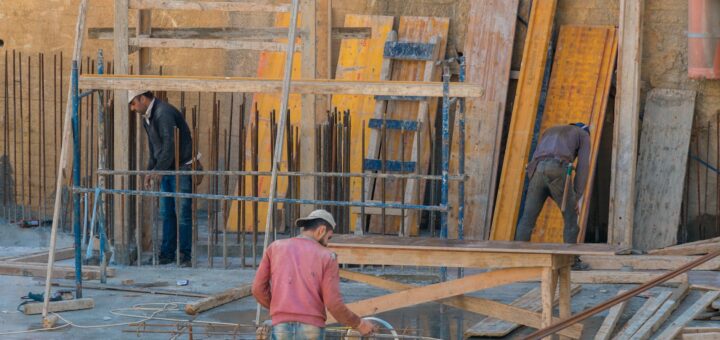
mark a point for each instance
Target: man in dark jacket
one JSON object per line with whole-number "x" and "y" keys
{"x": 160, "y": 120}
{"x": 557, "y": 149}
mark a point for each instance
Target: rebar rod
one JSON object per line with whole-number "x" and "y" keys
{"x": 176, "y": 146}
{"x": 22, "y": 140}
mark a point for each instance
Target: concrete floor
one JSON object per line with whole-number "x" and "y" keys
{"x": 430, "y": 319}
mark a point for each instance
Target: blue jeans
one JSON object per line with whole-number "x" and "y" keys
{"x": 297, "y": 331}
{"x": 169, "y": 218}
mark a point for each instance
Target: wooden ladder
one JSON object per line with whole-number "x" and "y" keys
{"x": 381, "y": 126}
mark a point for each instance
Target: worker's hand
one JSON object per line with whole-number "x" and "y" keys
{"x": 148, "y": 182}
{"x": 366, "y": 327}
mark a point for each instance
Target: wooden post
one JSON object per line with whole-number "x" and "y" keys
{"x": 565, "y": 294}
{"x": 307, "y": 122}
{"x": 143, "y": 28}
{"x": 64, "y": 160}
{"x": 121, "y": 154}
{"x": 547, "y": 292}
{"x": 625, "y": 137}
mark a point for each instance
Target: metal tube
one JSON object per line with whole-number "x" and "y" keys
{"x": 101, "y": 180}
{"x": 30, "y": 137}
{"x": 445, "y": 159}
{"x": 361, "y": 225}
{"x": 461, "y": 162}
{"x": 176, "y": 143}
{"x": 22, "y": 141}
{"x": 14, "y": 214}
{"x": 193, "y": 261}
{"x": 6, "y": 134}
{"x": 76, "y": 178}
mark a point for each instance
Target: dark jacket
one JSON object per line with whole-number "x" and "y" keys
{"x": 164, "y": 118}
{"x": 564, "y": 142}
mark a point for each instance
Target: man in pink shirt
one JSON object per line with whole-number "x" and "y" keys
{"x": 298, "y": 279}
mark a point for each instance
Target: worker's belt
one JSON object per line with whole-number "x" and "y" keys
{"x": 554, "y": 160}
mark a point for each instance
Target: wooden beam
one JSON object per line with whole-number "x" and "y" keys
{"x": 440, "y": 291}
{"x": 672, "y": 330}
{"x": 476, "y": 305}
{"x": 219, "y": 299}
{"x": 58, "y": 306}
{"x": 645, "y": 262}
{"x": 692, "y": 248}
{"x": 230, "y": 33}
{"x": 308, "y": 70}
{"x": 225, "y": 6}
{"x": 621, "y": 277}
{"x": 611, "y": 320}
{"x": 210, "y": 44}
{"x": 153, "y": 291}
{"x": 438, "y": 258}
{"x": 527, "y": 99}
{"x": 40, "y": 257}
{"x": 625, "y": 136}
{"x": 642, "y": 315}
{"x": 60, "y": 272}
{"x": 121, "y": 132}
{"x": 301, "y": 86}
{"x": 663, "y": 313}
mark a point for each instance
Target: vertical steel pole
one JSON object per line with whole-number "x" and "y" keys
{"x": 101, "y": 165}
{"x": 76, "y": 178}
{"x": 461, "y": 163}
{"x": 445, "y": 159}
{"x": 292, "y": 29}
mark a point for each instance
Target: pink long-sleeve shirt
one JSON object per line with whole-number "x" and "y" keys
{"x": 297, "y": 279}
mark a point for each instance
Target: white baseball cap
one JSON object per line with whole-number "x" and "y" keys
{"x": 134, "y": 93}
{"x": 319, "y": 214}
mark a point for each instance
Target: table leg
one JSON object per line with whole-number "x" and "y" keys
{"x": 547, "y": 292}
{"x": 564, "y": 291}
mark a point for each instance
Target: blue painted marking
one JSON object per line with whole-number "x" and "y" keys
{"x": 396, "y": 166}
{"x": 393, "y": 124}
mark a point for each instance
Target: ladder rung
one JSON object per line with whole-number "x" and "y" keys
{"x": 378, "y": 211}
{"x": 396, "y": 166}
{"x": 394, "y": 124}
{"x": 403, "y": 98}
{"x": 408, "y": 50}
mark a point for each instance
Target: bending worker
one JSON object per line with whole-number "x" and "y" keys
{"x": 557, "y": 149}
{"x": 160, "y": 120}
{"x": 299, "y": 277}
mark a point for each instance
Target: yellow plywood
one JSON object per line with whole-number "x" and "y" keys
{"x": 414, "y": 29}
{"x": 578, "y": 92}
{"x": 270, "y": 66}
{"x": 520, "y": 133}
{"x": 360, "y": 59}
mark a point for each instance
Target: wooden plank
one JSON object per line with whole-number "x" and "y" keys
{"x": 702, "y": 336}
{"x": 248, "y": 33}
{"x": 548, "y": 282}
{"x": 40, "y": 257}
{"x": 644, "y": 262}
{"x": 361, "y": 59}
{"x": 154, "y": 291}
{"x": 516, "y": 314}
{"x": 40, "y": 270}
{"x": 494, "y": 326}
{"x": 662, "y": 314}
{"x": 674, "y": 328}
{"x": 410, "y": 29}
{"x": 488, "y": 51}
{"x": 226, "y": 6}
{"x": 248, "y": 45}
{"x": 527, "y": 99}
{"x": 701, "y": 329}
{"x": 664, "y": 144}
{"x": 58, "y": 306}
{"x": 692, "y": 248}
{"x": 308, "y": 70}
{"x": 611, "y": 320}
{"x": 273, "y": 85}
{"x": 625, "y": 134}
{"x": 565, "y": 310}
{"x": 121, "y": 132}
{"x": 424, "y": 243}
{"x": 578, "y": 92}
{"x": 642, "y": 315}
{"x": 438, "y": 258}
{"x": 621, "y": 277}
{"x": 219, "y": 299}
{"x": 440, "y": 291}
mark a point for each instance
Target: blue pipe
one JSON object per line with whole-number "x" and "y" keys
{"x": 461, "y": 163}
{"x": 76, "y": 178}
{"x": 101, "y": 219}
{"x": 445, "y": 166}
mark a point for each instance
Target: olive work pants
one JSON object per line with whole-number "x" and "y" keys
{"x": 548, "y": 181}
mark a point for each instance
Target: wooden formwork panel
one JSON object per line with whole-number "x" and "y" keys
{"x": 578, "y": 92}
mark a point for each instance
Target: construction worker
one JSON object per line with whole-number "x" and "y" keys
{"x": 547, "y": 171}
{"x": 160, "y": 120}
{"x": 298, "y": 278}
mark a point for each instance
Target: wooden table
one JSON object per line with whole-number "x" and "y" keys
{"x": 508, "y": 262}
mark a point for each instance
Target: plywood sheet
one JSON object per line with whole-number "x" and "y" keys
{"x": 360, "y": 59}
{"x": 578, "y": 92}
{"x": 488, "y": 53}
{"x": 664, "y": 144}
{"x": 412, "y": 29}
{"x": 270, "y": 66}
{"x": 520, "y": 132}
